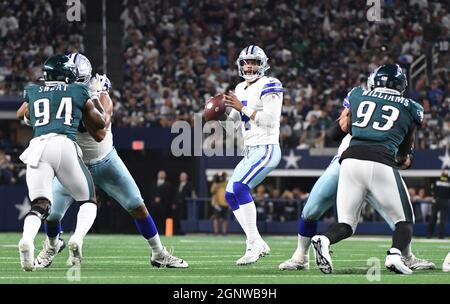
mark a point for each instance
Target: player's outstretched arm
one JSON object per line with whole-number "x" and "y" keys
{"x": 23, "y": 111}
{"x": 404, "y": 156}
{"x": 94, "y": 117}
{"x": 340, "y": 129}
{"x": 271, "y": 108}
{"x": 99, "y": 134}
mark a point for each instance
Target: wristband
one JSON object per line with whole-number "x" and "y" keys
{"x": 26, "y": 120}
{"x": 247, "y": 111}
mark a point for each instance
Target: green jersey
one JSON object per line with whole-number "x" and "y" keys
{"x": 56, "y": 108}
{"x": 381, "y": 118}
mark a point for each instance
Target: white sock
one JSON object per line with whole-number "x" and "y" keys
{"x": 303, "y": 245}
{"x": 240, "y": 218}
{"x": 249, "y": 216}
{"x": 407, "y": 251}
{"x": 31, "y": 226}
{"x": 85, "y": 218}
{"x": 155, "y": 244}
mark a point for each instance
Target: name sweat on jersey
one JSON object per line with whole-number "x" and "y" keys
{"x": 381, "y": 119}
{"x": 56, "y": 108}
{"x": 92, "y": 150}
{"x": 251, "y": 96}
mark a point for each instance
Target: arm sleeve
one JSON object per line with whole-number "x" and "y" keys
{"x": 271, "y": 112}
{"x": 26, "y": 97}
{"x": 335, "y": 132}
{"x": 417, "y": 113}
{"x": 84, "y": 92}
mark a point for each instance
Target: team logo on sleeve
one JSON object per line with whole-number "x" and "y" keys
{"x": 420, "y": 115}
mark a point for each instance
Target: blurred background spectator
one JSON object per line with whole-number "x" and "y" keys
{"x": 441, "y": 191}
{"x": 185, "y": 190}
{"x": 221, "y": 210}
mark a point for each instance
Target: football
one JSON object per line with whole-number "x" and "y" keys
{"x": 215, "y": 108}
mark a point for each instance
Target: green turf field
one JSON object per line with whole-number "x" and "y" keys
{"x": 125, "y": 259}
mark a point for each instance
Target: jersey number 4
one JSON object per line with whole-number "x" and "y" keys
{"x": 245, "y": 118}
{"x": 42, "y": 111}
{"x": 366, "y": 110}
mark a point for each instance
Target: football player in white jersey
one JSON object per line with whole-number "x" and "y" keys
{"x": 111, "y": 175}
{"x": 257, "y": 102}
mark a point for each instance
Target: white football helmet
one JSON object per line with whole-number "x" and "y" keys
{"x": 371, "y": 81}
{"x": 84, "y": 67}
{"x": 256, "y": 53}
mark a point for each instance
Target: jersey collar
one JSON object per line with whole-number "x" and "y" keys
{"x": 387, "y": 91}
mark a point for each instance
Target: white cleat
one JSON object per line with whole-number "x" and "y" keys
{"x": 48, "y": 253}
{"x": 26, "y": 252}
{"x": 255, "y": 250}
{"x": 295, "y": 264}
{"x": 166, "y": 260}
{"x": 266, "y": 250}
{"x": 321, "y": 245}
{"x": 394, "y": 262}
{"x": 75, "y": 252}
{"x": 446, "y": 264}
{"x": 415, "y": 263}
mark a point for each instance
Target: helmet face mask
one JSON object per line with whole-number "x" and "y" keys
{"x": 252, "y": 63}
{"x": 83, "y": 66}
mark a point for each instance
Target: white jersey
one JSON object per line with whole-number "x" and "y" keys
{"x": 94, "y": 151}
{"x": 265, "y": 96}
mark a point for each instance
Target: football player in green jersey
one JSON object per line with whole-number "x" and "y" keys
{"x": 382, "y": 123}
{"x": 55, "y": 110}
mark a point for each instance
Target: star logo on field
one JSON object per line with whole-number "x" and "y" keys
{"x": 291, "y": 160}
{"x": 445, "y": 159}
{"x": 23, "y": 208}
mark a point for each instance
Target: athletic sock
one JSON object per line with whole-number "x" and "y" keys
{"x": 155, "y": 244}
{"x": 147, "y": 229}
{"x": 53, "y": 230}
{"x": 338, "y": 232}
{"x": 249, "y": 216}
{"x": 240, "y": 218}
{"x": 85, "y": 219}
{"x": 31, "y": 226}
{"x": 306, "y": 230}
{"x": 407, "y": 252}
{"x": 303, "y": 244}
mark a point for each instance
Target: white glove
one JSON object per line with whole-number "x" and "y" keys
{"x": 99, "y": 83}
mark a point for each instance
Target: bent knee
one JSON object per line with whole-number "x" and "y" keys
{"x": 242, "y": 193}
{"x": 40, "y": 207}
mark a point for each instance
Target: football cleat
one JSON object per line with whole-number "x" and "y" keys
{"x": 26, "y": 252}
{"x": 321, "y": 245}
{"x": 394, "y": 262}
{"x": 295, "y": 264}
{"x": 413, "y": 262}
{"x": 446, "y": 264}
{"x": 255, "y": 250}
{"x": 266, "y": 250}
{"x": 75, "y": 253}
{"x": 48, "y": 253}
{"x": 167, "y": 260}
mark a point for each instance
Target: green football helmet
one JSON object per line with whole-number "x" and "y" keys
{"x": 60, "y": 68}
{"x": 388, "y": 76}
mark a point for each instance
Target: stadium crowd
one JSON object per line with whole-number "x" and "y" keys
{"x": 30, "y": 32}
{"x": 177, "y": 56}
